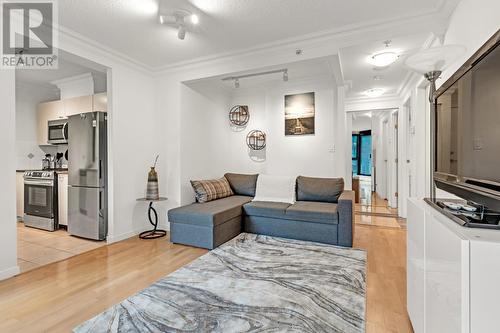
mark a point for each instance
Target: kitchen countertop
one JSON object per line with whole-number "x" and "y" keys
{"x": 63, "y": 170}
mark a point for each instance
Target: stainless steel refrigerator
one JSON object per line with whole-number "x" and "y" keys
{"x": 87, "y": 175}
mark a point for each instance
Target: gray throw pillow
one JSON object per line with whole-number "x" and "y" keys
{"x": 319, "y": 189}
{"x": 242, "y": 184}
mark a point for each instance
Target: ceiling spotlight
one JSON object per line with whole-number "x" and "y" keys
{"x": 236, "y": 83}
{"x": 385, "y": 58}
{"x": 181, "y": 33}
{"x": 195, "y": 19}
{"x": 375, "y": 92}
{"x": 181, "y": 19}
{"x": 285, "y": 76}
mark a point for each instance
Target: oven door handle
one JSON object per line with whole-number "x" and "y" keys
{"x": 38, "y": 183}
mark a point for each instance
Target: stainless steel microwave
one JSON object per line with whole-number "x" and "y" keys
{"x": 58, "y": 131}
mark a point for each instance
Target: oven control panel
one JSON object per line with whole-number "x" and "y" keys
{"x": 39, "y": 174}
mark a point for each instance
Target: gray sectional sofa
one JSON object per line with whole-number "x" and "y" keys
{"x": 323, "y": 213}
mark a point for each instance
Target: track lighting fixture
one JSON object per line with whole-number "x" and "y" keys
{"x": 236, "y": 79}
{"x": 181, "y": 19}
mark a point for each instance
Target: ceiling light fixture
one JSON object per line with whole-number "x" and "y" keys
{"x": 385, "y": 58}
{"x": 375, "y": 92}
{"x": 181, "y": 19}
{"x": 236, "y": 83}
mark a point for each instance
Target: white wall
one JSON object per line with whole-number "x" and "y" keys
{"x": 27, "y": 99}
{"x": 210, "y": 146}
{"x": 308, "y": 155}
{"x": 8, "y": 239}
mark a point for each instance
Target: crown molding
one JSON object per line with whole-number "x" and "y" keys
{"x": 72, "y": 79}
{"x": 103, "y": 50}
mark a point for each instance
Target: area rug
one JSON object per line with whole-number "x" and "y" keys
{"x": 252, "y": 283}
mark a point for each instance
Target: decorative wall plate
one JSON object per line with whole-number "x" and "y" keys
{"x": 256, "y": 140}
{"x": 239, "y": 115}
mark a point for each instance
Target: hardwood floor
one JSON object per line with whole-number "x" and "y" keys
{"x": 57, "y": 297}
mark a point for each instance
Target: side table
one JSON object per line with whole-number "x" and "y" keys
{"x": 155, "y": 233}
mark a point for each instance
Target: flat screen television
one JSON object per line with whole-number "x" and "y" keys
{"x": 467, "y": 129}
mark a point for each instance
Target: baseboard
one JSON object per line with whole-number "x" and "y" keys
{"x": 9, "y": 272}
{"x": 130, "y": 234}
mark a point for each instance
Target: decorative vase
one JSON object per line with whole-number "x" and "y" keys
{"x": 152, "y": 192}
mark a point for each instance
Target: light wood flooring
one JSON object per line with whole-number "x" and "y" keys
{"x": 378, "y": 206}
{"x": 36, "y": 247}
{"x": 59, "y": 296}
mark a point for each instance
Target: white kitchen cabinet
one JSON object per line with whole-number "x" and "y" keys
{"x": 19, "y": 195}
{"x": 100, "y": 102}
{"x": 77, "y": 105}
{"x": 62, "y": 192}
{"x": 45, "y": 112}
{"x": 452, "y": 274}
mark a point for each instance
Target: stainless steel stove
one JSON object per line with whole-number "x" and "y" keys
{"x": 40, "y": 200}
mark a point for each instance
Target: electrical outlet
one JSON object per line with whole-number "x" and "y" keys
{"x": 478, "y": 144}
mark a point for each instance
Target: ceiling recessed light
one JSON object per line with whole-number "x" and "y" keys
{"x": 377, "y": 77}
{"x": 375, "y": 92}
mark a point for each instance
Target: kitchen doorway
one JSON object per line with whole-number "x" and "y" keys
{"x": 46, "y": 100}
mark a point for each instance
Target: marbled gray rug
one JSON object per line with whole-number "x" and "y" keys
{"x": 252, "y": 283}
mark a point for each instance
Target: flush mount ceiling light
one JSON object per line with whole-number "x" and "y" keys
{"x": 375, "y": 92}
{"x": 384, "y": 58}
{"x": 181, "y": 19}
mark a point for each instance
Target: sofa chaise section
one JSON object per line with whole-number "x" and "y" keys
{"x": 207, "y": 225}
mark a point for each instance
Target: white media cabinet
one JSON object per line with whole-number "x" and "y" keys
{"x": 453, "y": 274}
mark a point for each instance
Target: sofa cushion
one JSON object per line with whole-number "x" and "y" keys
{"x": 208, "y": 190}
{"x": 266, "y": 209}
{"x": 309, "y": 211}
{"x": 242, "y": 184}
{"x": 319, "y": 189}
{"x": 211, "y": 213}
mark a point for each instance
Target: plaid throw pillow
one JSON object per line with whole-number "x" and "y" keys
{"x": 208, "y": 190}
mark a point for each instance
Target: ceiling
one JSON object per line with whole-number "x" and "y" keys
{"x": 362, "y": 76}
{"x": 130, "y": 26}
{"x": 319, "y": 68}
